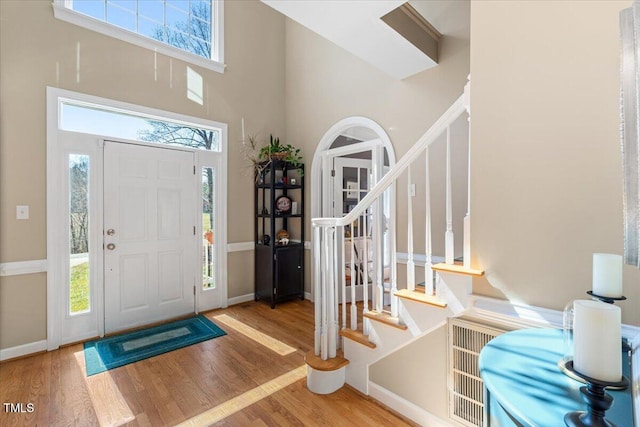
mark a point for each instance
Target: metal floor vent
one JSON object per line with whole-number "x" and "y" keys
{"x": 466, "y": 339}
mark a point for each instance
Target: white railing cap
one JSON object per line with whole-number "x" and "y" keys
{"x": 324, "y": 222}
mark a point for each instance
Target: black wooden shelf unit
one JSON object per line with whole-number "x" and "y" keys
{"x": 279, "y": 263}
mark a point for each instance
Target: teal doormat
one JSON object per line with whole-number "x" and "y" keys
{"x": 112, "y": 352}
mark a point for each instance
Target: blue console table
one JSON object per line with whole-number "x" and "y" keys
{"x": 523, "y": 385}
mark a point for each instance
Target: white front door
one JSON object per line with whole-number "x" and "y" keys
{"x": 150, "y": 262}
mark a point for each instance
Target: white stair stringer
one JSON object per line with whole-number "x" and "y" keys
{"x": 421, "y": 319}
{"x": 387, "y": 338}
{"x": 455, "y": 290}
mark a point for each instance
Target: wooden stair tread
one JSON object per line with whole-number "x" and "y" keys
{"x": 457, "y": 268}
{"x": 420, "y": 297}
{"x": 386, "y": 319}
{"x": 357, "y": 336}
{"x": 332, "y": 364}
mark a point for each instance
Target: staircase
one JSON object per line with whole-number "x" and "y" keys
{"x": 355, "y": 332}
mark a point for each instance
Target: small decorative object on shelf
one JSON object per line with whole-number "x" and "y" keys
{"x": 283, "y": 204}
{"x": 279, "y": 266}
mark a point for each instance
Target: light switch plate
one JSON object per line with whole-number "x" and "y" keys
{"x": 22, "y": 212}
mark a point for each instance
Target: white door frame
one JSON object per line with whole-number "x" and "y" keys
{"x": 319, "y": 163}
{"x": 57, "y": 213}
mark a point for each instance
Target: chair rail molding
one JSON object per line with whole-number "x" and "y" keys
{"x": 17, "y": 268}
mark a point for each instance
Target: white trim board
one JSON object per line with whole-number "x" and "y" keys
{"x": 249, "y": 297}
{"x": 23, "y": 267}
{"x": 68, "y": 15}
{"x": 528, "y": 316}
{"x": 249, "y": 246}
{"x": 23, "y": 350}
{"x": 404, "y": 407}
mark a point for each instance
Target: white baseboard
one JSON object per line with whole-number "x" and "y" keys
{"x": 404, "y": 407}
{"x": 240, "y": 299}
{"x": 23, "y": 350}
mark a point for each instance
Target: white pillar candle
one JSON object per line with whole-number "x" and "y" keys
{"x": 607, "y": 275}
{"x": 597, "y": 340}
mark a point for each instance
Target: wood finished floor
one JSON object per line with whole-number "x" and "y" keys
{"x": 229, "y": 381}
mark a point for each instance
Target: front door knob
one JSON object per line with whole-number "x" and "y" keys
{"x": 111, "y": 232}
{"x": 111, "y": 246}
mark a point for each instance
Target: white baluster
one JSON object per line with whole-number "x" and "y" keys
{"x": 317, "y": 289}
{"x": 411, "y": 267}
{"x": 354, "y": 281}
{"x": 428, "y": 272}
{"x": 331, "y": 320}
{"x": 394, "y": 257}
{"x": 343, "y": 279}
{"x": 448, "y": 237}
{"x": 378, "y": 260}
{"x": 365, "y": 272}
{"x": 466, "y": 255}
{"x": 326, "y": 268}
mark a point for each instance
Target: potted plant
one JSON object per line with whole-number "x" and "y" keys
{"x": 260, "y": 159}
{"x": 277, "y": 151}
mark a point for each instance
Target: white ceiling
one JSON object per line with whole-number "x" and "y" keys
{"x": 355, "y": 25}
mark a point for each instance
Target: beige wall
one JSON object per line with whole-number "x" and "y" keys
{"x": 325, "y": 84}
{"x": 546, "y": 175}
{"x": 37, "y": 51}
{"x": 418, "y": 372}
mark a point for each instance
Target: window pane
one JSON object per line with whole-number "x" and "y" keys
{"x": 152, "y": 9}
{"x": 182, "y": 5}
{"x": 151, "y": 29}
{"x": 79, "y": 296}
{"x": 80, "y": 118}
{"x": 93, "y": 8}
{"x": 208, "y": 227}
{"x": 121, "y": 17}
{"x": 185, "y": 24}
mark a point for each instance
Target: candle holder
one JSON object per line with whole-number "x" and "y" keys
{"x": 596, "y": 398}
{"x": 608, "y": 300}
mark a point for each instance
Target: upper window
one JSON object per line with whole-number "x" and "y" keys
{"x": 173, "y": 27}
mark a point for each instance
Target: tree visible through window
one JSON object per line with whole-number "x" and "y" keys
{"x": 185, "y": 24}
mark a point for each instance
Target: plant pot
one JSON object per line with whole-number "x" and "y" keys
{"x": 279, "y": 156}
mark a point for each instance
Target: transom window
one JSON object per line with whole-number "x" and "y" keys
{"x": 122, "y": 124}
{"x": 191, "y": 26}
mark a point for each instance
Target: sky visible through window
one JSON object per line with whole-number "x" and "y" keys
{"x": 96, "y": 121}
{"x": 185, "y": 24}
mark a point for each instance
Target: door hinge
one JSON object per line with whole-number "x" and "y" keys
{"x": 194, "y": 169}
{"x": 194, "y": 230}
{"x": 194, "y": 289}
{"x": 333, "y": 172}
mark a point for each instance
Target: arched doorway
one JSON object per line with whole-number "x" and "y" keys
{"x": 352, "y": 156}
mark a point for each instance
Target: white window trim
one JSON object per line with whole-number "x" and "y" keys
{"x": 60, "y": 11}
{"x": 56, "y": 177}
